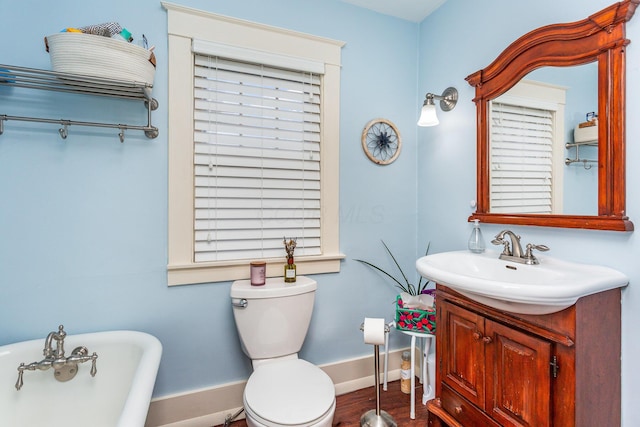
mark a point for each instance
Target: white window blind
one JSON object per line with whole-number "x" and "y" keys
{"x": 256, "y": 160}
{"x": 521, "y": 159}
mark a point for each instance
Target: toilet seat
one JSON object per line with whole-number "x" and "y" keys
{"x": 289, "y": 393}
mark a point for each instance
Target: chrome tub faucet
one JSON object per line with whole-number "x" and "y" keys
{"x": 65, "y": 368}
{"x": 512, "y": 251}
{"x": 59, "y": 338}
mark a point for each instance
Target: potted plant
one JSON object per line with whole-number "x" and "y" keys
{"x": 415, "y": 305}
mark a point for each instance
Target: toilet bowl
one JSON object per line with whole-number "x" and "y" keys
{"x": 272, "y": 322}
{"x": 289, "y": 393}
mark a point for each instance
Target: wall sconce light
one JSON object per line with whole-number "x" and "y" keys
{"x": 448, "y": 101}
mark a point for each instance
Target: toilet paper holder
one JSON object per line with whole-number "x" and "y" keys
{"x": 377, "y": 417}
{"x": 387, "y": 329}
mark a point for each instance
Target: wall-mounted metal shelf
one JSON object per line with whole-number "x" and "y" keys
{"x": 31, "y": 78}
{"x": 586, "y": 163}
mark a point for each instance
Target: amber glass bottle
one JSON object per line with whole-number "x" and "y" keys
{"x": 290, "y": 271}
{"x": 405, "y": 373}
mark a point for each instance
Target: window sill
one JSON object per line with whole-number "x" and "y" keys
{"x": 188, "y": 274}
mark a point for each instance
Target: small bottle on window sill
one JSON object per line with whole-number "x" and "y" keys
{"x": 290, "y": 271}
{"x": 290, "y": 266}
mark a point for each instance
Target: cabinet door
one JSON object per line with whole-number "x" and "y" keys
{"x": 463, "y": 360}
{"x": 519, "y": 377}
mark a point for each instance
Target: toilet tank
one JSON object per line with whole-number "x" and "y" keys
{"x": 272, "y": 319}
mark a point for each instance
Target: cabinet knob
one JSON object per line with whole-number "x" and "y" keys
{"x": 487, "y": 340}
{"x": 458, "y": 410}
{"x": 477, "y": 335}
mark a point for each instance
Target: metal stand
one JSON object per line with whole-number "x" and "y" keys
{"x": 376, "y": 417}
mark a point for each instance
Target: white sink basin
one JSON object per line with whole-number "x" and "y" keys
{"x": 551, "y": 286}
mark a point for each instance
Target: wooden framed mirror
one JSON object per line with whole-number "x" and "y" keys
{"x": 597, "y": 42}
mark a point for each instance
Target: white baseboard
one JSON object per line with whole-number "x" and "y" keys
{"x": 209, "y": 407}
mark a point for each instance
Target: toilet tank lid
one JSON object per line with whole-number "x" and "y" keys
{"x": 273, "y": 288}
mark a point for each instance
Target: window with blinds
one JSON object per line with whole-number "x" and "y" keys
{"x": 521, "y": 178}
{"x": 254, "y": 115}
{"x": 256, "y": 160}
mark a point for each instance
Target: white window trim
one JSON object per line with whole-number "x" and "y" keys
{"x": 186, "y": 25}
{"x": 534, "y": 94}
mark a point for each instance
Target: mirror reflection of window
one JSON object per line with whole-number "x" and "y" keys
{"x": 527, "y": 149}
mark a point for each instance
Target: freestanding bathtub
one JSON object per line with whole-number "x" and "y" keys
{"x": 118, "y": 396}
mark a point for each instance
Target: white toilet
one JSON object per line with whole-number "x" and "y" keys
{"x": 272, "y": 322}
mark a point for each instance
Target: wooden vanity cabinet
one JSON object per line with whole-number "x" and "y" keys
{"x": 496, "y": 368}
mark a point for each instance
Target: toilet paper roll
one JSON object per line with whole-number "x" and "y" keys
{"x": 373, "y": 331}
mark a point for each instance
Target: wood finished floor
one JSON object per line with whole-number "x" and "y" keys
{"x": 351, "y": 406}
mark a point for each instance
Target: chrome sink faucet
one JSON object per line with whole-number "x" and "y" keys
{"x": 515, "y": 243}
{"x": 65, "y": 368}
{"x": 516, "y": 254}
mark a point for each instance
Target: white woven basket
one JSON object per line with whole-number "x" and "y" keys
{"x": 99, "y": 56}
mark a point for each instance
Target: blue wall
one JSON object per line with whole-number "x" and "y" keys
{"x": 83, "y": 224}
{"x": 462, "y": 37}
{"x": 83, "y": 221}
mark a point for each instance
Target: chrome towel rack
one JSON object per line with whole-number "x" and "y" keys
{"x": 32, "y": 78}
{"x": 586, "y": 163}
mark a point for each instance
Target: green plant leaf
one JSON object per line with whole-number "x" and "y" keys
{"x": 399, "y": 284}
{"x": 422, "y": 287}
{"x": 397, "y": 265}
{"x": 404, "y": 287}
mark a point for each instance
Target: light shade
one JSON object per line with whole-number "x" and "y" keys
{"x": 428, "y": 116}
{"x": 448, "y": 100}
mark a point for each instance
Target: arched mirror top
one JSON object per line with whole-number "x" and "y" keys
{"x": 600, "y": 38}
